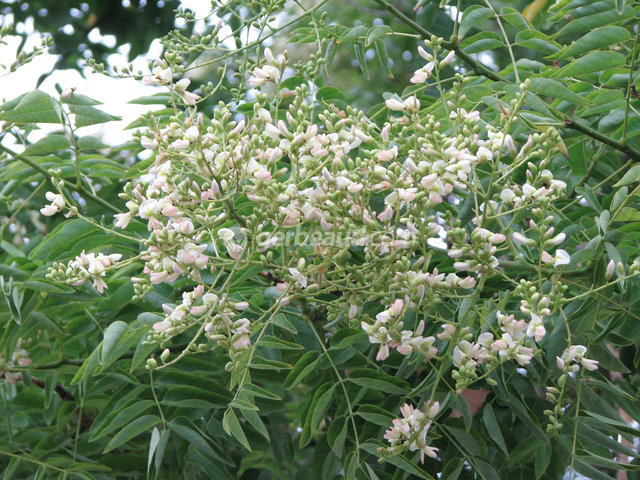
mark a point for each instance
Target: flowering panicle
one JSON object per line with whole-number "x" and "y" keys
{"x": 311, "y": 201}
{"x": 410, "y": 431}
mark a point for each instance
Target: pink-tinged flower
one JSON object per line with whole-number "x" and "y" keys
{"x": 268, "y": 73}
{"x": 522, "y": 240}
{"x": 412, "y": 104}
{"x": 162, "y": 326}
{"x": 67, "y": 92}
{"x": 557, "y": 240}
{"x": 610, "y": 269}
{"x": 394, "y": 104}
{"x": 149, "y": 143}
{"x": 536, "y": 328}
{"x": 447, "y": 60}
{"x": 181, "y": 89}
{"x": 411, "y": 430}
{"x": 57, "y": 204}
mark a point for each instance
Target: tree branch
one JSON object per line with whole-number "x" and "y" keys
{"x": 483, "y": 71}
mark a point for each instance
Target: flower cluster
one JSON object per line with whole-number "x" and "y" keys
{"x": 387, "y": 331}
{"x": 478, "y": 253}
{"x": 19, "y": 357}
{"x": 221, "y": 193}
{"x": 512, "y": 342}
{"x": 85, "y": 267}
{"x": 218, "y": 314}
{"x": 163, "y": 75}
{"x": 410, "y": 432}
{"x": 573, "y": 357}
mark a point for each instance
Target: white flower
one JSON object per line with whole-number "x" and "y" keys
{"x": 561, "y": 258}
{"x": 394, "y": 104}
{"x": 447, "y": 60}
{"x": 268, "y": 73}
{"x": 57, "y": 204}
{"x": 298, "y": 277}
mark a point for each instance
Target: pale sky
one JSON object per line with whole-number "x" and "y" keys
{"x": 114, "y": 93}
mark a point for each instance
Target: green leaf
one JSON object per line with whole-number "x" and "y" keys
{"x": 90, "y": 143}
{"x": 537, "y": 41}
{"x": 319, "y": 404}
{"x": 278, "y": 343}
{"x": 337, "y": 434}
{"x": 376, "y": 415}
{"x": 362, "y": 58}
{"x": 490, "y": 421}
{"x": 604, "y": 37}
{"x": 471, "y": 17}
{"x": 301, "y": 369}
{"x": 632, "y": 175}
{"x": 153, "y": 444}
{"x": 588, "y": 433}
{"x": 553, "y": 88}
{"x": 49, "y": 144}
{"x": 379, "y": 381}
{"x": 259, "y": 392}
{"x": 280, "y": 319}
{"x": 187, "y": 430}
{"x": 352, "y": 34}
{"x": 156, "y": 99}
{"x": 260, "y": 363}
{"x": 254, "y": 419}
{"x": 515, "y": 18}
{"x": 589, "y": 472}
{"x": 192, "y": 397}
{"x": 123, "y": 417}
{"x": 58, "y": 239}
{"x": 44, "y": 286}
{"x": 466, "y": 439}
{"x": 78, "y": 99}
{"x": 135, "y": 428}
{"x": 591, "y": 22}
{"x": 543, "y": 457}
{"x": 232, "y": 426}
{"x": 620, "y": 5}
{"x": 383, "y": 57}
{"x": 34, "y": 107}
{"x": 619, "y": 426}
{"x": 377, "y": 33}
{"x": 90, "y": 116}
{"x": 592, "y": 62}
{"x": 112, "y": 336}
{"x": 398, "y": 461}
{"x": 481, "y": 42}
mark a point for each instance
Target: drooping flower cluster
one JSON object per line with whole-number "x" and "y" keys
{"x": 513, "y": 343}
{"x": 410, "y": 432}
